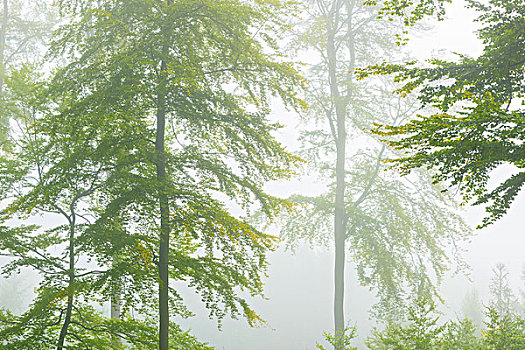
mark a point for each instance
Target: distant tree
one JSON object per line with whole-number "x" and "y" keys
{"x": 25, "y": 27}
{"x": 396, "y": 230}
{"x": 503, "y": 301}
{"x": 471, "y": 307}
{"x": 478, "y": 123}
{"x": 16, "y": 292}
{"x": 522, "y": 293}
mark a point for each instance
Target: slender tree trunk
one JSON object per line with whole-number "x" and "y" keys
{"x": 164, "y": 208}
{"x": 3, "y": 33}
{"x": 70, "y": 290}
{"x": 164, "y": 222}
{"x": 340, "y": 102}
{"x": 115, "y": 304}
{"x": 116, "y": 312}
{"x": 340, "y": 211}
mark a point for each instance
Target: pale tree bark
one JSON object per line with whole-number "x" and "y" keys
{"x": 115, "y": 309}
{"x": 115, "y": 304}
{"x": 339, "y": 215}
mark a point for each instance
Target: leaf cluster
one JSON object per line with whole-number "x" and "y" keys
{"x": 479, "y": 123}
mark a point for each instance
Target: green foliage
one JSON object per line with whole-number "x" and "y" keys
{"x": 29, "y": 27}
{"x": 421, "y": 332}
{"x": 85, "y": 155}
{"x": 504, "y": 332}
{"x": 462, "y": 334}
{"x": 341, "y": 341}
{"x": 479, "y": 123}
{"x": 22, "y": 40}
{"x": 54, "y": 174}
{"x": 217, "y": 140}
{"x": 411, "y": 11}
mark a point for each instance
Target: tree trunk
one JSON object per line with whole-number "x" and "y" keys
{"x": 70, "y": 290}
{"x": 116, "y": 312}
{"x": 340, "y": 211}
{"x": 164, "y": 222}
{"x": 115, "y": 305}
{"x": 164, "y": 207}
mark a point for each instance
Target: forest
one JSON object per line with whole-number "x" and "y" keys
{"x": 262, "y": 174}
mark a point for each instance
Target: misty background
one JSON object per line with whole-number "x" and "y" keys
{"x": 299, "y": 286}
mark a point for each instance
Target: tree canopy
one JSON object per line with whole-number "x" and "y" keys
{"x": 478, "y": 120}
{"x": 156, "y": 116}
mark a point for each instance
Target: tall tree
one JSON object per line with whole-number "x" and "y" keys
{"x": 386, "y": 220}
{"x": 192, "y": 81}
{"x": 477, "y": 124}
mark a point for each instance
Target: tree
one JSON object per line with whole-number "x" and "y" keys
{"x": 522, "y": 293}
{"x": 425, "y": 331}
{"x": 503, "y": 300}
{"x": 340, "y": 341}
{"x": 478, "y": 121}
{"x": 504, "y": 331}
{"x": 471, "y": 307}
{"x": 184, "y": 87}
{"x": 421, "y": 333}
{"x": 461, "y": 334}
{"x": 395, "y": 230}
{"x": 25, "y": 27}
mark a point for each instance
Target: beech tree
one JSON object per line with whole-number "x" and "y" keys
{"x": 160, "y": 112}
{"x": 382, "y": 221}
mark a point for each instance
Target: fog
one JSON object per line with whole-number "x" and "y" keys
{"x": 298, "y": 291}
